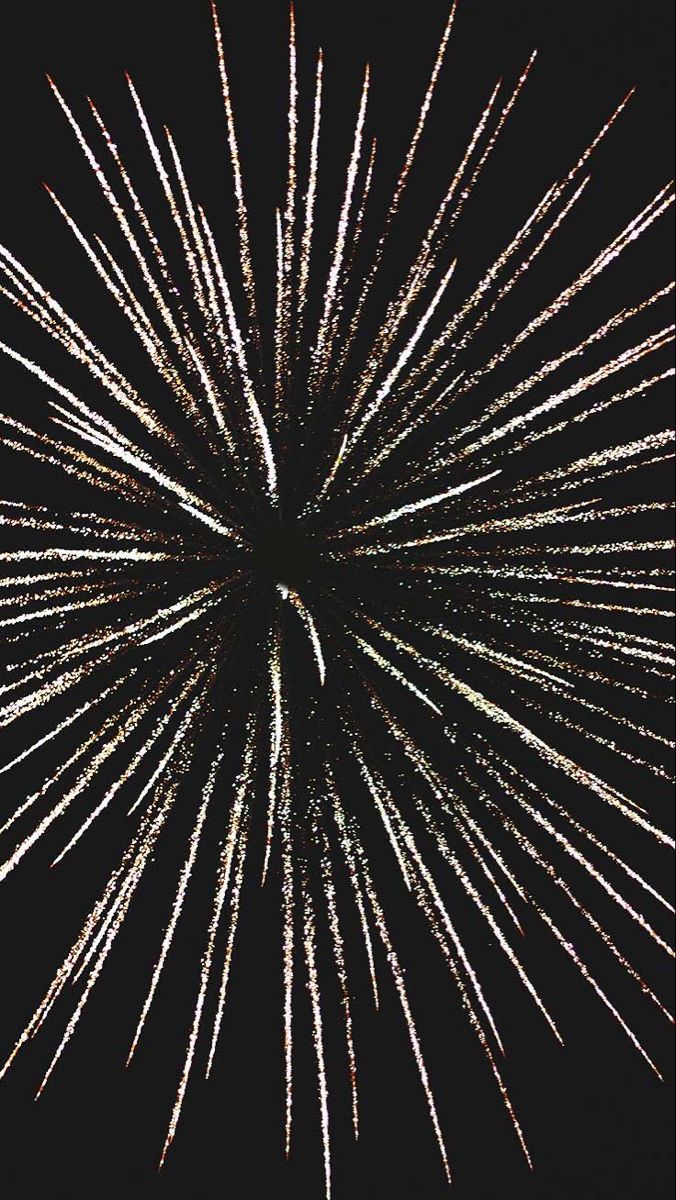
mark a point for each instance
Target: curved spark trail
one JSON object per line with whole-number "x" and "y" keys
{"x": 421, "y": 657}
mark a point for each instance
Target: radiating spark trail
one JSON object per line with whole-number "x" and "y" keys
{"x": 126, "y": 896}
{"x": 341, "y": 971}
{"x": 400, "y": 188}
{"x": 242, "y": 215}
{"x": 223, "y": 882}
{"x": 324, "y": 335}
{"x": 310, "y": 198}
{"x": 317, "y": 1034}
{"x": 287, "y": 945}
{"x": 175, "y": 912}
{"x": 225, "y": 976}
{"x": 288, "y": 235}
{"x": 358, "y": 893}
{"x": 309, "y": 624}
{"x": 406, "y": 1009}
{"x": 386, "y": 388}
{"x": 276, "y": 739}
{"x": 259, "y": 426}
{"x": 409, "y": 509}
{"x": 501, "y": 716}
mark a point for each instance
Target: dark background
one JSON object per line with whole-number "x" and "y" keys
{"x": 598, "y": 1124}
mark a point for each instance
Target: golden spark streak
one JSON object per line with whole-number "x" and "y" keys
{"x": 322, "y": 350}
{"x": 309, "y": 624}
{"x": 317, "y": 1034}
{"x": 306, "y": 243}
{"x": 223, "y": 881}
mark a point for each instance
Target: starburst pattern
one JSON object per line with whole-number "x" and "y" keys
{"x": 229, "y": 632}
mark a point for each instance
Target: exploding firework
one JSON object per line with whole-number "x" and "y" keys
{"x": 406, "y": 654}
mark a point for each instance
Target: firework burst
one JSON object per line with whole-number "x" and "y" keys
{"x": 334, "y": 524}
